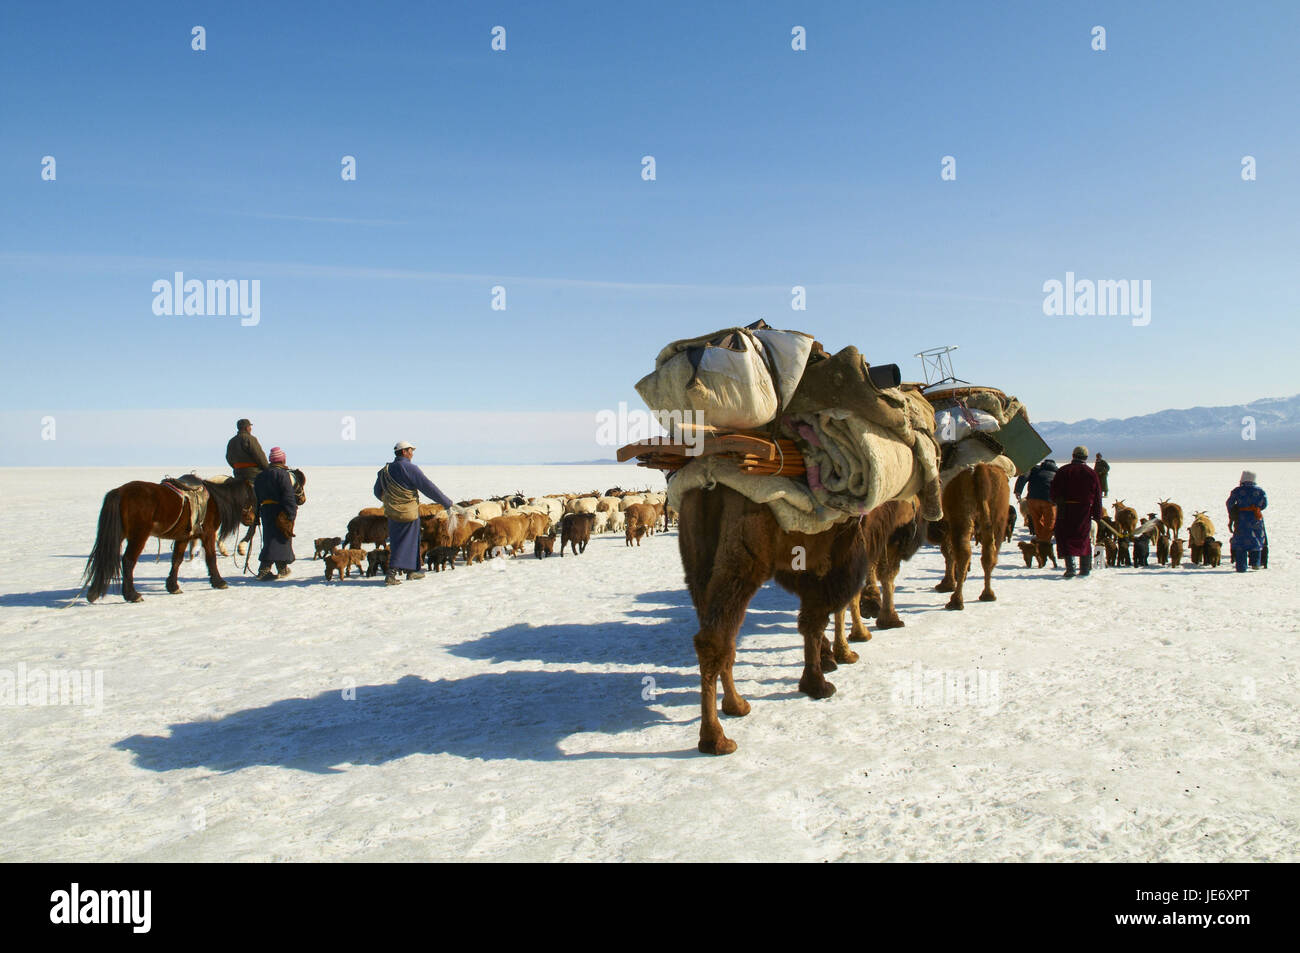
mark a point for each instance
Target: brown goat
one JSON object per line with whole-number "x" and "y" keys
{"x": 575, "y": 531}
{"x": 342, "y": 561}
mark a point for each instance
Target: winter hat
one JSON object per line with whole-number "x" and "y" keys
{"x": 402, "y": 445}
{"x": 1247, "y": 476}
{"x": 276, "y": 456}
{"x": 1081, "y": 453}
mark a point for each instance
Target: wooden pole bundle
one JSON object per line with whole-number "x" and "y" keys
{"x": 755, "y": 452}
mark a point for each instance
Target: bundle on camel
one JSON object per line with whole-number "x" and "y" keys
{"x": 856, "y": 444}
{"x": 971, "y": 446}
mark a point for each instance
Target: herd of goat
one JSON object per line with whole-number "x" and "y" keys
{"x": 496, "y": 527}
{"x": 1128, "y": 539}
{"x": 504, "y": 525}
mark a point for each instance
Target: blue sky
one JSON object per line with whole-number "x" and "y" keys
{"x": 775, "y": 168}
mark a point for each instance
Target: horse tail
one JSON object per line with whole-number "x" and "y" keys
{"x": 104, "y": 566}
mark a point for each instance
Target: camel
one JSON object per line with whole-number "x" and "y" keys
{"x": 730, "y": 546}
{"x": 976, "y": 498}
{"x": 905, "y": 536}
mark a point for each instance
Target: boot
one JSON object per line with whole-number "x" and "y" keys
{"x": 1239, "y": 560}
{"x": 1085, "y": 564}
{"x": 391, "y": 579}
{"x": 1069, "y": 568}
{"x": 264, "y": 573}
{"x": 282, "y": 569}
{"x": 414, "y": 574}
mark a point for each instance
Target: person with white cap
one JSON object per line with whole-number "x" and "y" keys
{"x": 399, "y": 485}
{"x": 1246, "y": 506}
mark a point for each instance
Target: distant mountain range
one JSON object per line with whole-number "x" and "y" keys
{"x": 1197, "y": 433}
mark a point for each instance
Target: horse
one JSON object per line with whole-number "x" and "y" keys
{"x": 730, "y": 546}
{"x": 299, "y": 492}
{"x": 137, "y": 510}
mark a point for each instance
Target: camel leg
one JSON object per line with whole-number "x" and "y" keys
{"x": 210, "y": 555}
{"x": 134, "y": 547}
{"x": 178, "y": 553}
{"x": 812, "y": 623}
{"x": 859, "y": 632}
{"x": 842, "y": 652}
{"x": 890, "y": 563}
{"x": 989, "y": 560}
{"x": 870, "y": 598}
{"x": 948, "y": 582}
{"x": 721, "y": 593}
{"x": 959, "y": 542}
{"x": 715, "y": 648}
{"x": 828, "y": 653}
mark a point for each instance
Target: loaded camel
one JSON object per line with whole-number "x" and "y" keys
{"x": 730, "y": 546}
{"x": 975, "y": 500}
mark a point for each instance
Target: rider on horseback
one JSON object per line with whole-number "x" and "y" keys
{"x": 246, "y": 459}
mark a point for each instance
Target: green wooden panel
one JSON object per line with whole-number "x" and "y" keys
{"x": 1021, "y": 442}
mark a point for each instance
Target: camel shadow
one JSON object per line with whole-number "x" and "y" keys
{"x": 667, "y": 643}
{"x": 512, "y": 715}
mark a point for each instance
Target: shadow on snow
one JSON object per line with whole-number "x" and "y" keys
{"x": 519, "y": 715}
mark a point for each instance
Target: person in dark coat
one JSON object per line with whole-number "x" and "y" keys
{"x": 275, "y": 495}
{"x": 1246, "y": 505}
{"x": 1102, "y": 469}
{"x": 1077, "y": 494}
{"x": 399, "y": 485}
{"x": 247, "y": 461}
{"x": 1039, "y": 509}
{"x": 244, "y": 453}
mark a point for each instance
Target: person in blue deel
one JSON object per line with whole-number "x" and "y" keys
{"x": 1246, "y": 505}
{"x": 399, "y": 485}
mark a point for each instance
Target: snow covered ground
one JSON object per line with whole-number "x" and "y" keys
{"x": 548, "y": 710}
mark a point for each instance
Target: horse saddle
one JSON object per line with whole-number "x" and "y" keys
{"x": 190, "y": 488}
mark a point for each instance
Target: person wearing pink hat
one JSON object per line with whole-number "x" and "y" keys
{"x": 275, "y": 495}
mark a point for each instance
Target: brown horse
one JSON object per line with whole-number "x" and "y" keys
{"x": 974, "y": 503}
{"x": 137, "y": 510}
{"x": 730, "y": 546}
